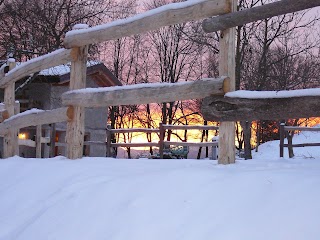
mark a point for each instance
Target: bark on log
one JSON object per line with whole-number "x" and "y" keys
{"x": 75, "y": 128}
{"x": 143, "y": 94}
{"x": 243, "y": 109}
{"x": 229, "y": 20}
{"x": 151, "y": 20}
{"x": 36, "y": 118}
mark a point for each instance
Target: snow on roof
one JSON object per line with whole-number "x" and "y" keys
{"x": 63, "y": 69}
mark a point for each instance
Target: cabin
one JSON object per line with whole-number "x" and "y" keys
{"x": 44, "y": 90}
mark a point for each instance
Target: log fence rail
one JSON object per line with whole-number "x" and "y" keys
{"x": 287, "y": 131}
{"x": 77, "y": 42}
{"x": 161, "y": 131}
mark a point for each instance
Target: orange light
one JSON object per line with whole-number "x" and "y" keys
{"x": 22, "y": 136}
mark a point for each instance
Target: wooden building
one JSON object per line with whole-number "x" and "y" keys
{"x": 44, "y": 90}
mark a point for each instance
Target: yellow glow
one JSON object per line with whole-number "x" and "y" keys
{"x": 22, "y": 136}
{"x": 139, "y": 137}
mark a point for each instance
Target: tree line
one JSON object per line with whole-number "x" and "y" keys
{"x": 280, "y": 53}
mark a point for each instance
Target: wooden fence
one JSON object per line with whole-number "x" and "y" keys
{"x": 285, "y": 132}
{"x": 77, "y": 42}
{"x": 161, "y": 131}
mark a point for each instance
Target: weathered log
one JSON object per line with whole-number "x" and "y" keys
{"x": 189, "y": 127}
{"x": 227, "y": 66}
{"x": 146, "y": 144}
{"x": 166, "y": 15}
{"x": 191, "y": 144}
{"x": 145, "y": 93}
{"x": 75, "y": 128}
{"x": 229, "y": 20}
{"x": 133, "y": 130}
{"x": 238, "y": 109}
{"x": 27, "y": 142}
{"x": 3, "y": 115}
{"x": 49, "y": 60}
{"x": 296, "y": 128}
{"x": 36, "y": 118}
{"x": 38, "y": 141}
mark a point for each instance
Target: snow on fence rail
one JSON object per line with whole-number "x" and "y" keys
{"x": 36, "y": 117}
{"x": 257, "y": 13}
{"x": 37, "y": 64}
{"x": 170, "y": 14}
{"x": 284, "y": 131}
{"x": 146, "y": 93}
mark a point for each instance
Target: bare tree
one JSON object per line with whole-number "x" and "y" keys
{"x": 269, "y": 54}
{"x": 35, "y": 27}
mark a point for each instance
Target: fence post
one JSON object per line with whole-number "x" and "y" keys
{"x": 281, "y": 138}
{"x": 227, "y": 148}
{"x": 161, "y": 129}
{"x": 11, "y": 146}
{"x": 38, "y": 141}
{"x": 108, "y": 132}
{"x": 75, "y": 127}
{"x": 290, "y": 148}
{"x": 52, "y": 139}
{"x": 46, "y": 148}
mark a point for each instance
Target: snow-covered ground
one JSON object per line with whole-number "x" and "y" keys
{"x": 121, "y": 199}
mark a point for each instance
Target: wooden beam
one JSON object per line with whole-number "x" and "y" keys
{"x": 308, "y": 129}
{"x": 238, "y": 109}
{"x": 145, "y": 93}
{"x": 52, "y": 140}
{"x": 27, "y": 142}
{"x": 38, "y": 141}
{"x": 189, "y": 127}
{"x": 227, "y": 151}
{"x": 132, "y": 130}
{"x": 26, "y": 119}
{"x": 75, "y": 127}
{"x": 256, "y": 13}
{"x": 3, "y": 115}
{"x": 303, "y": 145}
{"x": 147, "y": 144}
{"x": 163, "y": 16}
{"x": 191, "y": 144}
{"x": 45, "y": 139}
{"x": 49, "y": 60}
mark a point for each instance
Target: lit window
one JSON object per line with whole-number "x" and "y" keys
{"x": 22, "y": 136}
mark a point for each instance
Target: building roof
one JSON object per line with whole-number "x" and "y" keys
{"x": 95, "y": 69}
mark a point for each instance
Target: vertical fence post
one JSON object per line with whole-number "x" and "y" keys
{"x": 11, "y": 146}
{"x": 38, "y": 141}
{"x": 46, "y": 148}
{"x": 281, "y": 138}
{"x": 52, "y": 140}
{"x": 75, "y": 127}
{"x": 108, "y": 131}
{"x": 161, "y": 145}
{"x": 289, "y": 135}
{"x": 227, "y": 68}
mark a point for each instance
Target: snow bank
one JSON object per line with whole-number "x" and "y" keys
{"x": 118, "y": 199}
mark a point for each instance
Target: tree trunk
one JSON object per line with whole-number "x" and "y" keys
{"x": 246, "y": 126}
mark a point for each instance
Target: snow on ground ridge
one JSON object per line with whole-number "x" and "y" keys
{"x": 118, "y": 199}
